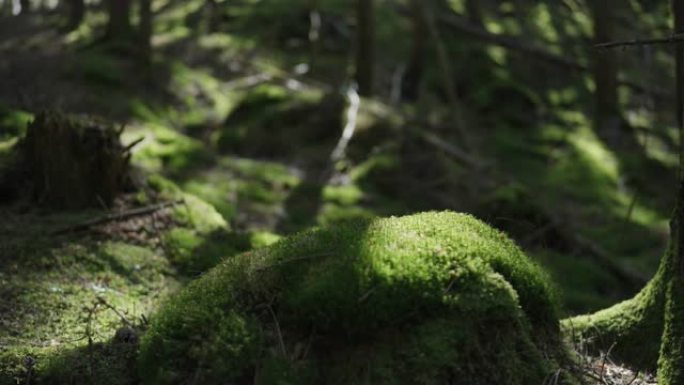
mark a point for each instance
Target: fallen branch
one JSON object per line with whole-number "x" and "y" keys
{"x": 350, "y": 128}
{"x": 676, "y": 38}
{"x": 449, "y": 148}
{"x": 599, "y": 255}
{"x": 115, "y": 217}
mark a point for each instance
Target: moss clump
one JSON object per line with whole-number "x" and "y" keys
{"x": 424, "y": 299}
{"x": 276, "y": 123}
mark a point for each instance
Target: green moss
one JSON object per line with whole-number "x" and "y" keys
{"x": 13, "y": 123}
{"x": 272, "y": 121}
{"x": 345, "y": 195}
{"x": 394, "y": 301}
{"x": 50, "y": 296}
{"x": 195, "y": 252}
{"x": 199, "y": 215}
{"x": 261, "y": 239}
{"x": 166, "y": 150}
{"x": 670, "y": 370}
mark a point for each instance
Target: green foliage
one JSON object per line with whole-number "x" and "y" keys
{"x": 399, "y": 300}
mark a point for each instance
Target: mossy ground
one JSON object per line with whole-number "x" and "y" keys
{"x": 395, "y": 301}
{"x": 204, "y": 125}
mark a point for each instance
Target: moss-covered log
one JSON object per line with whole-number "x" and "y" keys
{"x": 433, "y": 298}
{"x": 74, "y": 163}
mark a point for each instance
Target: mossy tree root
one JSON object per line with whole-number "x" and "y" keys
{"x": 647, "y": 331}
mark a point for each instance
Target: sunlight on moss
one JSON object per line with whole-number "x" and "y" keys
{"x": 344, "y": 195}
{"x": 332, "y": 213}
{"x": 13, "y": 122}
{"x": 260, "y": 239}
{"x": 58, "y": 303}
{"x": 457, "y": 5}
{"x": 386, "y": 266}
{"x": 164, "y": 148}
{"x": 204, "y": 97}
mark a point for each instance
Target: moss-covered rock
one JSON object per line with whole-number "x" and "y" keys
{"x": 431, "y": 298}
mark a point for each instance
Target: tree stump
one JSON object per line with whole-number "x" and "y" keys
{"x": 74, "y": 163}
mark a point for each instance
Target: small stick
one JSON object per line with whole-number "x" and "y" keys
{"x": 280, "y": 334}
{"x": 133, "y": 144}
{"x": 676, "y": 38}
{"x": 117, "y": 217}
{"x": 109, "y": 306}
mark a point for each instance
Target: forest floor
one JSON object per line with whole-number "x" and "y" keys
{"x": 233, "y": 128}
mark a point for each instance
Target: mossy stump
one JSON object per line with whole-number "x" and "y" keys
{"x": 433, "y": 298}
{"x": 74, "y": 163}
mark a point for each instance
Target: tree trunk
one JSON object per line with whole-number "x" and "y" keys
{"x": 25, "y": 6}
{"x": 365, "y": 46}
{"x": 5, "y": 8}
{"x": 607, "y": 111}
{"x": 74, "y": 163}
{"x": 119, "y": 23}
{"x": 410, "y": 86}
{"x": 76, "y": 14}
{"x": 474, "y": 12}
{"x": 145, "y": 31}
{"x": 647, "y": 331}
{"x": 671, "y": 360}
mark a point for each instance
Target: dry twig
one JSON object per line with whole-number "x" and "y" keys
{"x": 114, "y": 217}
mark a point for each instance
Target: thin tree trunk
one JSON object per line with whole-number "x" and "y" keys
{"x": 315, "y": 25}
{"x": 6, "y": 8}
{"x": 25, "y": 6}
{"x": 76, "y": 14}
{"x": 365, "y": 46}
{"x": 414, "y": 72}
{"x": 474, "y": 12}
{"x": 671, "y": 360}
{"x": 119, "y": 23}
{"x": 605, "y": 70}
{"x": 145, "y": 31}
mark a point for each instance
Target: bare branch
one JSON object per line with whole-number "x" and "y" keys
{"x": 674, "y": 39}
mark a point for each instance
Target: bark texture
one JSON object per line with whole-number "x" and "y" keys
{"x": 605, "y": 71}
{"x": 76, "y": 10}
{"x": 119, "y": 22}
{"x": 74, "y": 164}
{"x": 365, "y": 46}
